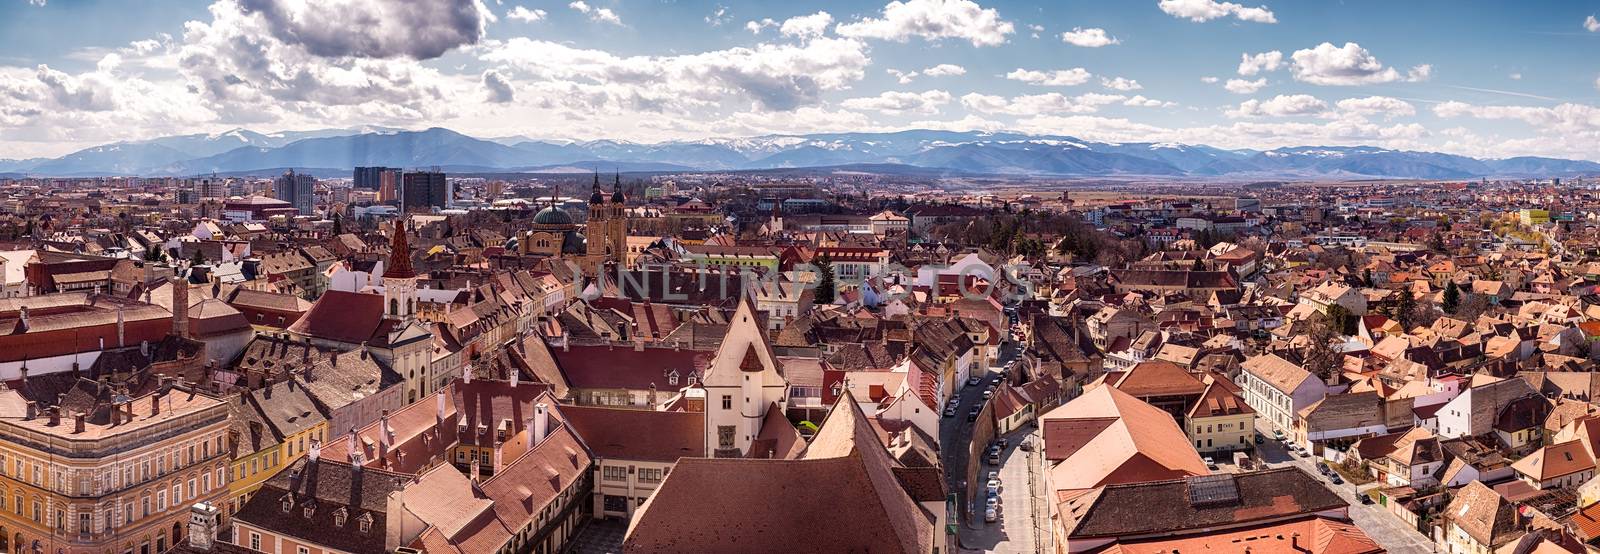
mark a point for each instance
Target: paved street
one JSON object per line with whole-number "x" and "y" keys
{"x": 1386, "y": 528}
{"x": 1018, "y": 531}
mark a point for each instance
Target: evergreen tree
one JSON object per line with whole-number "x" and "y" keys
{"x": 199, "y": 257}
{"x": 1406, "y": 309}
{"x": 338, "y": 225}
{"x": 1452, "y": 297}
{"x": 824, "y": 292}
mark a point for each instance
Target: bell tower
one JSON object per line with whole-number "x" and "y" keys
{"x": 399, "y": 279}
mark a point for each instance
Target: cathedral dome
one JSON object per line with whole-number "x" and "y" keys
{"x": 552, "y": 216}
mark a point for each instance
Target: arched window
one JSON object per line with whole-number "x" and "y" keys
{"x": 394, "y": 306}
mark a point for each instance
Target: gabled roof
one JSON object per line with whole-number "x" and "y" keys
{"x": 1159, "y": 378}
{"x": 1107, "y": 436}
{"x": 1555, "y": 461}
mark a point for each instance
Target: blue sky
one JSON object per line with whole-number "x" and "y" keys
{"x": 1478, "y": 78}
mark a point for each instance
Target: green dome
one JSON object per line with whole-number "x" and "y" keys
{"x": 552, "y": 216}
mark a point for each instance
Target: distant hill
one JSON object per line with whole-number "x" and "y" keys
{"x": 923, "y": 152}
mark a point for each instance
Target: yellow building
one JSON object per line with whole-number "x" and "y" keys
{"x": 1221, "y": 421}
{"x": 101, "y": 472}
{"x": 1531, "y": 216}
{"x": 273, "y": 427}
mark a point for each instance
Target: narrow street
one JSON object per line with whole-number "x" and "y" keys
{"x": 1020, "y": 526}
{"x": 1392, "y": 533}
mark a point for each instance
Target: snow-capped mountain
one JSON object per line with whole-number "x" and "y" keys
{"x": 973, "y": 152}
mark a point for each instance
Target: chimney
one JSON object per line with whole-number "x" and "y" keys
{"x": 384, "y": 432}
{"x": 516, "y": 376}
{"x": 122, "y": 329}
{"x": 466, "y": 375}
{"x": 541, "y": 422}
{"x": 55, "y": 415}
{"x": 316, "y": 450}
{"x": 155, "y": 404}
{"x": 33, "y": 411}
{"x": 24, "y": 385}
{"x": 22, "y": 315}
{"x": 77, "y": 422}
{"x": 439, "y": 416}
{"x": 180, "y": 306}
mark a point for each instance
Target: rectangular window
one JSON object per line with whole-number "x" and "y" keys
{"x": 255, "y": 541}
{"x": 727, "y": 402}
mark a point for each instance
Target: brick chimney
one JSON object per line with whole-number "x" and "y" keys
{"x": 155, "y": 405}
{"x": 77, "y": 422}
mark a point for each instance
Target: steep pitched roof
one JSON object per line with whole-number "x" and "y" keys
{"x": 1107, "y": 436}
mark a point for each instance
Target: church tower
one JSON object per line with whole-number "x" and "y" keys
{"x": 608, "y": 223}
{"x": 399, "y": 279}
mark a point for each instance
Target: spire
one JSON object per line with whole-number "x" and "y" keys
{"x": 399, "y": 265}
{"x": 595, "y": 197}
{"x": 616, "y": 188}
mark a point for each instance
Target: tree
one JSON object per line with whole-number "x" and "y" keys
{"x": 199, "y": 257}
{"x": 1320, "y": 357}
{"x": 155, "y": 254}
{"x": 1436, "y": 244}
{"x": 1452, "y": 297}
{"x": 338, "y": 224}
{"x": 824, "y": 292}
{"x": 1366, "y": 277}
{"x": 1341, "y": 319}
{"x": 1405, "y": 313}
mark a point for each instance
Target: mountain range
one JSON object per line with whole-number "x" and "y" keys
{"x": 335, "y": 151}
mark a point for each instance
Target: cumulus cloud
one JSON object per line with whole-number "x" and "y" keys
{"x": 932, "y": 20}
{"x": 945, "y": 70}
{"x": 1377, "y": 106}
{"x": 524, "y": 14}
{"x": 1241, "y": 86}
{"x": 1200, "y": 11}
{"x": 1056, "y": 78}
{"x": 1350, "y": 64}
{"x": 41, "y": 3}
{"x": 603, "y": 15}
{"x": 755, "y": 27}
{"x": 772, "y": 76}
{"x": 897, "y": 102}
{"x": 420, "y": 29}
{"x": 1280, "y": 106}
{"x": 1251, "y": 64}
{"x": 1590, "y": 23}
{"x": 903, "y": 77}
{"x": 1420, "y": 73}
{"x": 499, "y": 89}
{"x": 1566, "y": 117}
{"x": 1120, "y": 83}
{"x": 1208, "y": 79}
{"x": 1089, "y": 38}
{"x": 1035, "y": 30}
{"x": 807, "y": 25}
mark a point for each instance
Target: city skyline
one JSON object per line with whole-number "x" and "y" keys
{"x": 1495, "y": 81}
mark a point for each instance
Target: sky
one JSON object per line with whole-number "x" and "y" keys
{"x": 1485, "y": 79}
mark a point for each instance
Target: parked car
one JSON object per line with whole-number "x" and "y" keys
{"x": 1336, "y": 479}
{"x": 991, "y": 515}
{"x": 1365, "y": 499}
{"x": 988, "y": 393}
{"x": 973, "y": 415}
{"x": 994, "y": 456}
{"x": 993, "y": 502}
{"x": 1026, "y": 445}
{"x": 994, "y": 476}
{"x": 1260, "y": 439}
{"x": 993, "y": 486}
{"x": 1003, "y": 443}
{"x": 1277, "y": 435}
{"x": 1210, "y": 463}
{"x": 974, "y": 379}
{"x": 1323, "y": 468}
{"x": 950, "y": 411}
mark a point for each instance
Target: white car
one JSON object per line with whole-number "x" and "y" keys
{"x": 1210, "y": 463}
{"x": 994, "y": 486}
{"x": 993, "y": 502}
{"x": 991, "y": 515}
{"x": 994, "y": 476}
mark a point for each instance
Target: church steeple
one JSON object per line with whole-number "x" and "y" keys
{"x": 595, "y": 197}
{"x": 616, "y": 189}
{"x": 399, "y": 265}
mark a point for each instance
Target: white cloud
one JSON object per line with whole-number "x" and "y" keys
{"x": 603, "y": 15}
{"x": 524, "y": 14}
{"x": 1563, "y": 118}
{"x": 932, "y": 20}
{"x": 945, "y": 70}
{"x": 1241, "y": 86}
{"x": 1516, "y": 76}
{"x": 1597, "y": 83}
{"x": 1056, "y": 78}
{"x": 896, "y": 102}
{"x": 1590, "y": 23}
{"x": 1052, "y": 103}
{"x": 1350, "y": 64}
{"x": 1089, "y": 38}
{"x": 1280, "y": 106}
{"x": 719, "y": 16}
{"x": 1208, "y": 79}
{"x": 1420, "y": 73}
{"x": 41, "y": 3}
{"x": 1121, "y": 84}
{"x": 1036, "y": 29}
{"x": 771, "y": 76}
{"x": 903, "y": 77}
{"x": 807, "y": 25}
{"x": 499, "y": 89}
{"x": 1251, "y": 64}
{"x": 755, "y": 27}
{"x": 421, "y": 30}
{"x": 1205, "y": 10}
{"x": 1377, "y": 106}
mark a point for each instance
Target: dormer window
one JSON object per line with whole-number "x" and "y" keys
{"x": 288, "y": 503}
{"x": 672, "y": 378}
{"x": 339, "y": 517}
{"x": 366, "y": 522}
